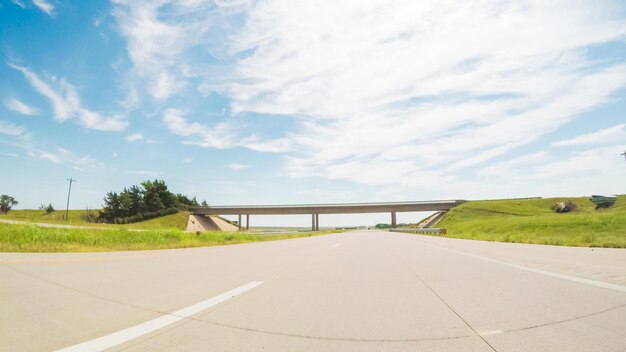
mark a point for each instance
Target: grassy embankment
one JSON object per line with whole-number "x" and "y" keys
{"x": 76, "y": 218}
{"x": 533, "y": 221}
{"x": 31, "y": 238}
{"x": 159, "y": 233}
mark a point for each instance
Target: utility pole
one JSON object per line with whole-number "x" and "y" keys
{"x": 67, "y": 209}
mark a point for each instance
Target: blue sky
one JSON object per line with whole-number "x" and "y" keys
{"x": 270, "y": 102}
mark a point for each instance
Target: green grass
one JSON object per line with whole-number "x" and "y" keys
{"x": 533, "y": 221}
{"x": 174, "y": 221}
{"x": 31, "y": 238}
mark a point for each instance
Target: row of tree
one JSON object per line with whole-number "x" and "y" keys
{"x": 150, "y": 199}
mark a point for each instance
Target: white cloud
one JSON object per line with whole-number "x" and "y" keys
{"x": 221, "y": 135}
{"x": 605, "y": 136}
{"x": 440, "y": 88}
{"x": 134, "y": 137}
{"x": 10, "y": 154}
{"x": 237, "y": 166}
{"x": 187, "y": 160}
{"x": 66, "y": 103}
{"x": 63, "y": 156}
{"x": 44, "y": 6}
{"x": 146, "y": 173}
{"x": 20, "y": 107}
{"x": 218, "y": 136}
{"x": 597, "y": 170}
{"x": 401, "y": 92}
{"x": 19, "y": 3}
{"x": 515, "y": 165}
{"x": 279, "y": 145}
{"x": 11, "y": 129}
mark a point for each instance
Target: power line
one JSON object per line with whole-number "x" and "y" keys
{"x": 67, "y": 209}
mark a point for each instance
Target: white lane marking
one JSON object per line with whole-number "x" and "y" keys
{"x": 491, "y": 332}
{"x": 119, "y": 337}
{"x": 579, "y": 280}
{"x": 336, "y": 245}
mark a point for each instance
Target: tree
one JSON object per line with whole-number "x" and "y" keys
{"x": 111, "y": 207}
{"x": 49, "y": 209}
{"x": 137, "y": 205}
{"x": 6, "y": 203}
{"x": 149, "y": 200}
{"x": 152, "y": 195}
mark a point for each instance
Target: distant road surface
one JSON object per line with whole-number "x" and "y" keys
{"x": 355, "y": 291}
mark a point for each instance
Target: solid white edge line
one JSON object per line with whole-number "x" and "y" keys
{"x": 580, "y": 280}
{"x": 119, "y": 337}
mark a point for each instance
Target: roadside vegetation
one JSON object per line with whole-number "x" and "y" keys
{"x": 31, "y": 238}
{"x": 535, "y": 221}
{"x": 151, "y": 199}
{"x": 81, "y": 218}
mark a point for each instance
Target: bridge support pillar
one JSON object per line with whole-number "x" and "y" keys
{"x": 247, "y": 221}
{"x": 317, "y": 222}
{"x": 239, "y": 222}
{"x": 393, "y": 219}
{"x": 312, "y": 222}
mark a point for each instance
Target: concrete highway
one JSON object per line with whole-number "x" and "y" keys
{"x": 356, "y": 291}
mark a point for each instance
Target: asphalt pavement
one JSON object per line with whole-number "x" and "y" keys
{"x": 355, "y": 291}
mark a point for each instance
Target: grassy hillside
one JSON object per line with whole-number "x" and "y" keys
{"x": 76, "y": 217}
{"x": 533, "y": 221}
{"x": 30, "y": 238}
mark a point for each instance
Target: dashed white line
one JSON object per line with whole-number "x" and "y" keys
{"x": 119, "y": 337}
{"x": 579, "y": 280}
{"x": 336, "y": 245}
{"x": 491, "y": 332}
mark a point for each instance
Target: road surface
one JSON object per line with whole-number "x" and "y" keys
{"x": 356, "y": 291}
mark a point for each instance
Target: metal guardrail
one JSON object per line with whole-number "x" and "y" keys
{"x": 439, "y": 231}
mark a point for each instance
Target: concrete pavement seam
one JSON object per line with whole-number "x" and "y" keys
{"x": 441, "y": 299}
{"x": 324, "y": 338}
{"x": 568, "y": 320}
{"x": 131, "y": 333}
{"x": 579, "y": 280}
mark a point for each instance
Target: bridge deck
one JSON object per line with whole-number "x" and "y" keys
{"x": 345, "y": 208}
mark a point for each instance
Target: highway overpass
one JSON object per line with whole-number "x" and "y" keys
{"x": 316, "y": 209}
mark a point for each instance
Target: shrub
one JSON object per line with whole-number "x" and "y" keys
{"x": 89, "y": 216}
{"x": 49, "y": 209}
{"x": 564, "y": 207}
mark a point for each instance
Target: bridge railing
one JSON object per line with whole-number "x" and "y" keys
{"x": 438, "y": 231}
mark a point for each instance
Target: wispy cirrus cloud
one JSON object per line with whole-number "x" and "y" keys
{"x": 221, "y": 135}
{"x": 19, "y": 3}
{"x": 442, "y": 89}
{"x": 160, "y": 35}
{"x": 604, "y": 136}
{"x": 44, "y": 6}
{"x": 237, "y": 166}
{"x": 24, "y": 141}
{"x": 11, "y": 129}
{"x": 66, "y": 103}
{"x": 134, "y": 137}
{"x": 218, "y": 136}
{"x": 21, "y": 107}
{"x": 63, "y": 156}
